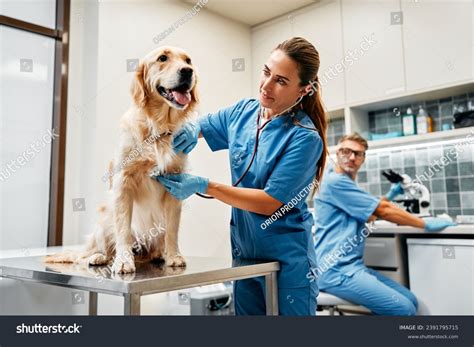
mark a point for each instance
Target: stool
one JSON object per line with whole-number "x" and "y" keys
{"x": 331, "y": 303}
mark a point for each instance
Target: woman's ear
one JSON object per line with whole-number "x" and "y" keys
{"x": 139, "y": 90}
{"x": 307, "y": 90}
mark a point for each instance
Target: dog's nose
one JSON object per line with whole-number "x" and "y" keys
{"x": 186, "y": 72}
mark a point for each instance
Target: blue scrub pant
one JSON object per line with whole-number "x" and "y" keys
{"x": 249, "y": 297}
{"x": 379, "y": 294}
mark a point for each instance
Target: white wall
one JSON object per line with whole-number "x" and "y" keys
{"x": 103, "y": 36}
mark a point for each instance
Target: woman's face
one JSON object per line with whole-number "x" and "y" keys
{"x": 280, "y": 84}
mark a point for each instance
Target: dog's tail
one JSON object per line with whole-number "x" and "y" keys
{"x": 78, "y": 257}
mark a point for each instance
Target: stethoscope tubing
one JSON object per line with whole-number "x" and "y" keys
{"x": 257, "y": 138}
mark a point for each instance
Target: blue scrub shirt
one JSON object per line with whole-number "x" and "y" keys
{"x": 341, "y": 211}
{"x": 284, "y": 166}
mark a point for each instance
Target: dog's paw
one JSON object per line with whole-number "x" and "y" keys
{"x": 176, "y": 260}
{"x": 98, "y": 259}
{"x": 121, "y": 266}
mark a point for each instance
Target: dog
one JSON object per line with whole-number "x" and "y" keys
{"x": 140, "y": 220}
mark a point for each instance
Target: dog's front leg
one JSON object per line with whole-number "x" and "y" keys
{"x": 124, "y": 261}
{"x": 173, "y": 216}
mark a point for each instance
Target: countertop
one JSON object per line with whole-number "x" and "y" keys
{"x": 384, "y": 227}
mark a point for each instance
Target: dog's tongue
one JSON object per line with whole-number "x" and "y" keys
{"x": 183, "y": 98}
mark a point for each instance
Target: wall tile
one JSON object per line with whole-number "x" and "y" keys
{"x": 438, "y": 186}
{"x": 453, "y": 200}
{"x": 438, "y": 200}
{"x": 451, "y": 170}
{"x": 465, "y": 153}
{"x": 467, "y": 184}
{"x": 452, "y": 185}
{"x": 374, "y": 189}
{"x": 466, "y": 169}
{"x": 467, "y": 200}
{"x": 362, "y": 177}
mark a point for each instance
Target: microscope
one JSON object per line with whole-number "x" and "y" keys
{"x": 417, "y": 196}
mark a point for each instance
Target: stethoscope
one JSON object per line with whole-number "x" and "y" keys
{"x": 257, "y": 137}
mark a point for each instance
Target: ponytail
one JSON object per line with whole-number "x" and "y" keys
{"x": 314, "y": 108}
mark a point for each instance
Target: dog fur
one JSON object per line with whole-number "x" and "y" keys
{"x": 137, "y": 205}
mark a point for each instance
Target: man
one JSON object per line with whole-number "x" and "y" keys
{"x": 341, "y": 210}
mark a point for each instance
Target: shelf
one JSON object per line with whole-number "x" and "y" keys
{"x": 421, "y": 139}
{"x": 336, "y": 113}
{"x": 356, "y": 117}
{"x": 416, "y": 139}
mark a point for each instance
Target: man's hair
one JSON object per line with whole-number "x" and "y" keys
{"x": 356, "y": 138}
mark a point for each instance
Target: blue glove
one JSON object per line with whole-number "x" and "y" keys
{"x": 182, "y": 186}
{"x": 395, "y": 190}
{"x": 186, "y": 138}
{"x": 437, "y": 224}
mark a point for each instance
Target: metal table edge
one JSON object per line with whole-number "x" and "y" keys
{"x": 193, "y": 280}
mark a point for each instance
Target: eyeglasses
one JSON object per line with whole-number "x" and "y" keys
{"x": 347, "y": 152}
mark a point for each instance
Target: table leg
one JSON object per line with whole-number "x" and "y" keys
{"x": 131, "y": 304}
{"x": 92, "y": 303}
{"x": 271, "y": 295}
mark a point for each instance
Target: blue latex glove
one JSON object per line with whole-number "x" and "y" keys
{"x": 186, "y": 138}
{"x": 182, "y": 186}
{"x": 395, "y": 190}
{"x": 437, "y": 224}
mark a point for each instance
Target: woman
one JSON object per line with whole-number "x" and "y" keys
{"x": 291, "y": 154}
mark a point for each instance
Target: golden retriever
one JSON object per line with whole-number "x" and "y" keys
{"x": 140, "y": 220}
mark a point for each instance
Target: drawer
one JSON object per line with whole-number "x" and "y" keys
{"x": 382, "y": 252}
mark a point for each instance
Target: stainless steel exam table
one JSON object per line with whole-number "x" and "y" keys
{"x": 150, "y": 278}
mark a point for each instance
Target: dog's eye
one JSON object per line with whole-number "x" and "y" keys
{"x": 162, "y": 58}
{"x": 188, "y": 61}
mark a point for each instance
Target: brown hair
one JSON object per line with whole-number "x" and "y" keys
{"x": 307, "y": 58}
{"x": 356, "y": 138}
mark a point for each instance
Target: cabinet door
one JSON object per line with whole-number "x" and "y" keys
{"x": 438, "y": 40}
{"x": 321, "y": 25}
{"x": 373, "y": 53}
{"x": 264, "y": 39}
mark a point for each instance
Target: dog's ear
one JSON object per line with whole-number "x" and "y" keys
{"x": 139, "y": 90}
{"x": 194, "y": 92}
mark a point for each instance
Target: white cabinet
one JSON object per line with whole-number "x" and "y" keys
{"x": 441, "y": 273}
{"x": 438, "y": 42}
{"x": 264, "y": 39}
{"x": 321, "y": 25}
{"x": 373, "y": 49}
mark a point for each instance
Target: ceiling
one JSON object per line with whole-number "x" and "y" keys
{"x": 253, "y": 12}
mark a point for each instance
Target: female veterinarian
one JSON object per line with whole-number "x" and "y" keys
{"x": 291, "y": 154}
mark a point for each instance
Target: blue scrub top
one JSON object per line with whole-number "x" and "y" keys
{"x": 284, "y": 166}
{"x": 341, "y": 211}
